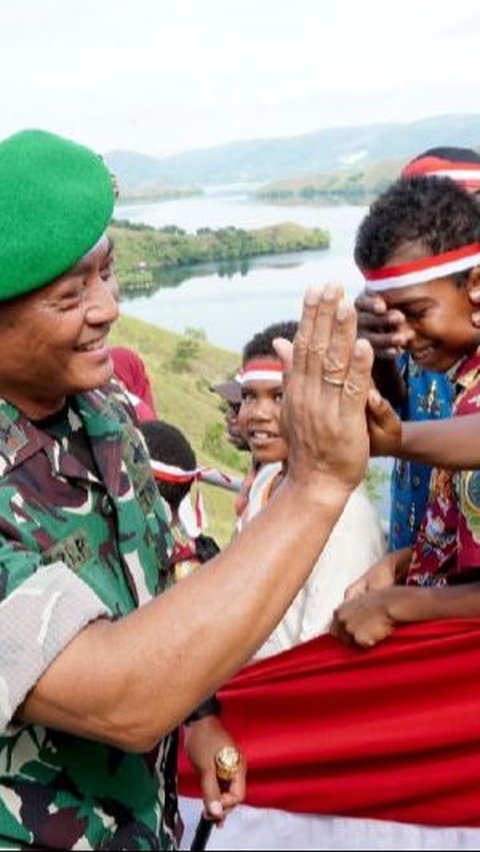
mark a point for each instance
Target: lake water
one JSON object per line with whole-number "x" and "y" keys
{"x": 232, "y": 306}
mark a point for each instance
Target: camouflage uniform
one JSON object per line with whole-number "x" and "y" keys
{"x": 76, "y": 545}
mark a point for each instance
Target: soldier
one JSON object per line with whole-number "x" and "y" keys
{"x": 99, "y": 661}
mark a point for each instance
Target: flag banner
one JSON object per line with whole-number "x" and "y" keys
{"x": 392, "y": 733}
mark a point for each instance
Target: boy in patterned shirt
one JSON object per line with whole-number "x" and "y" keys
{"x": 419, "y": 247}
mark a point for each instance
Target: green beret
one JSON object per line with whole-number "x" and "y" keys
{"x": 56, "y": 200}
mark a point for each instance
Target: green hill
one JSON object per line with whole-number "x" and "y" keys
{"x": 182, "y": 397}
{"x": 352, "y": 185}
{"x": 181, "y": 369}
{"x": 139, "y": 178}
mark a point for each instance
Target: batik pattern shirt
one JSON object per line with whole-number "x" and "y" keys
{"x": 429, "y": 397}
{"x": 447, "y": 548}
{"x": 76, "y": 544}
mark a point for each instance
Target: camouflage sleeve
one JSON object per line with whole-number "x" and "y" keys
{"x": 37, "y": 621}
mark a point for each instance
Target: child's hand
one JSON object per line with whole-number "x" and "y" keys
{"x": 384, "y": 426}
{"x": 384, "y": 329}
{"x": 365, "y": 620}
{"x": 381, "y": 575}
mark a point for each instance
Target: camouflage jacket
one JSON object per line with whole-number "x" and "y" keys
{"x": 76, "y": 545}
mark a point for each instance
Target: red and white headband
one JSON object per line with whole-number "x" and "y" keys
{"x": 423, "y": 270}
{"x": 170, "y": 473}
{"x": 259, "y": 370}
{"x": 163, "y": 472}
{"x": 465, "y": 173}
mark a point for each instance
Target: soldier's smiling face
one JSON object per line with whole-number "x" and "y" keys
{"x": 53, "y": 342}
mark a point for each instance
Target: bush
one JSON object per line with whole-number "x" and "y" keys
{"x": 186, "y": 351}
{"x": 215, "y": 443}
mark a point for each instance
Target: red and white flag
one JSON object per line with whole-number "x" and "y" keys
{"x": 338, "y": 739}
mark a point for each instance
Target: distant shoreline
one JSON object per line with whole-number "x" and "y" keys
{"x": 137, "y": 196}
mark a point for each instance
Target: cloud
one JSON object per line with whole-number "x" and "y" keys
{"x": 163, "y": 75}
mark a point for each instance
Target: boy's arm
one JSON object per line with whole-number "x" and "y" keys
{"x": 453, "y": 443}
{"x": 390, "y": 569}
{"x": 369, "y": 619}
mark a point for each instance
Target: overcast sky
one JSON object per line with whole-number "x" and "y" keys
{"x": 159, "y": 76}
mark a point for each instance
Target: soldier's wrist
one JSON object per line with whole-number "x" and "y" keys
{"x": 210, "y": 707}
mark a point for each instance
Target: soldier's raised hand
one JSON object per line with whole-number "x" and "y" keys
{"x": 327, "y": 379}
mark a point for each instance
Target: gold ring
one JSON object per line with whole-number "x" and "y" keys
{"x": 227, "y": 761}
{"x": 338, "y": 383}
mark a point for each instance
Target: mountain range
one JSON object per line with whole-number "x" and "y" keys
{"x": 263, "y": 160}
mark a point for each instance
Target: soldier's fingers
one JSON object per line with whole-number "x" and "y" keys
{"x": 305, "y": 328}
{"x": 314, "y": 328}
{"x": 337, "y": 358}
{"x": 284, "y": 350}
{"x": 323, "y": 328}
{"x": 355, "y": 391}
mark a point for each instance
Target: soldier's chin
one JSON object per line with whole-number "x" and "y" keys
{"x": 94, "y": 378}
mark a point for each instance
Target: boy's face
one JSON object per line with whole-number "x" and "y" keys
{"x": 437, "y": 315}
{"x": 260, "y": 418}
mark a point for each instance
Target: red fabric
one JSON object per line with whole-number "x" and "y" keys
{"x": 391, "y": 733}
{"x": 130, "y": 369}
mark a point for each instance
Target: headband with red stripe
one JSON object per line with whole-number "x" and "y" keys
{"x": 259, "y": 370}
{"x": 465, "y": 173}
{"x": 171, "y": 473}
{"x": 423, "y": 270}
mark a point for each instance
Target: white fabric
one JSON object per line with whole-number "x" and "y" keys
{"x": 266, "y": 828}
{"x": 272, "y": 374}
{"x": 459, "y": 175}
{"x": 357, "y": 541}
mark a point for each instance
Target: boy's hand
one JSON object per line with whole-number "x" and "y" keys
{"x": 365, "y": 620}
{"x": 381, "y": 575}
{"x": 380, "y": 326}
{"x": 384, "y": 426}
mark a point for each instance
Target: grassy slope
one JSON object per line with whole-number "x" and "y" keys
{"x": 185, "y": 400}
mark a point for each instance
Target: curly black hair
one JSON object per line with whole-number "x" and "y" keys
{"x": 262, "y": 342}
{"x": 434, "y": 211}
{"x": 169, "y": 445}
